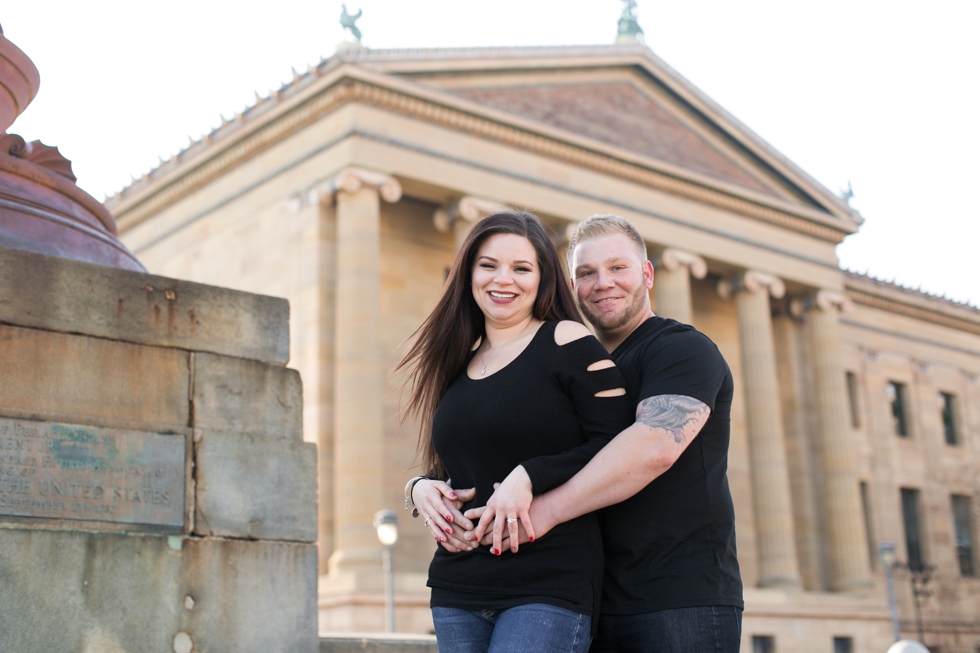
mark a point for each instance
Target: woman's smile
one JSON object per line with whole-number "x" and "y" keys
{"x": 505, "y": 280}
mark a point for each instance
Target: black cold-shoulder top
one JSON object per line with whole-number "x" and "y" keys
{"x": 540, "y": 411}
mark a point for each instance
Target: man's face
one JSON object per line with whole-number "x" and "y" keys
{"x": 611, "y": 282}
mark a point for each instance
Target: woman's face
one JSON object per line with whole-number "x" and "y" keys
{"x": 505, "y": 279}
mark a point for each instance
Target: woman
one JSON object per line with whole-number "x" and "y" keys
{"x": 507, "y": 381}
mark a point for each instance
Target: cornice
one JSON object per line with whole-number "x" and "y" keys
{"x": 869, "y": 292}
{"x": 347, "y": 84}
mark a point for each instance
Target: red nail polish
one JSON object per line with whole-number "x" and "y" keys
{"x": 530, "y": 539}
{"x": 442, "y": 539}
{"x": 496, "y": 552}
{"x": 449, "y": 518}
{"x": 452, "y": 495}
{"x": 448, "y": 530}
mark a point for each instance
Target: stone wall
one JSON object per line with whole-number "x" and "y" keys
{"x": 97, "y": 367}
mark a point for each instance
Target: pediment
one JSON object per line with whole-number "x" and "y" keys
{"x": 619, "y": 113}
{"x": 625, "y": 97}
{"x": 610, "y": 108}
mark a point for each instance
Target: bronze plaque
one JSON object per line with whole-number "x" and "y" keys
{"x": 68, "y": 471}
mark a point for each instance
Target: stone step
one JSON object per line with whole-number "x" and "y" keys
{"x": 378, "y": 643}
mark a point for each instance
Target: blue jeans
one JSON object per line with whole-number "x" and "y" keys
{"x": 709, "y": 629}
{"x": 532, "y": 628}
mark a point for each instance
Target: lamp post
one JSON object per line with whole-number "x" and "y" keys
{"x": 919, "y": 575}
{"x": 386, "y": 523}
{"x": 886, "y": 553}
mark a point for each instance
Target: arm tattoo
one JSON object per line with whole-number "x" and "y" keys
{"x": 670, "y": 413}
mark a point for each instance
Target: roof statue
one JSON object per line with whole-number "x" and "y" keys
{"x": 347, "y": 22}
{"x": 847, "y": 193}
{"x": 629, "y": 29}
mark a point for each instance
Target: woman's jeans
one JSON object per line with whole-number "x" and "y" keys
{"x": 532, "y": 628}
{"x": 709, "y": 629}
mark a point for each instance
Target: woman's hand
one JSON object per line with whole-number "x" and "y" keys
{"x": 507, "y": 510}
{"x": 438, "y": 506}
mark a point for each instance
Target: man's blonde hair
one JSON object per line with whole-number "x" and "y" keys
{"x": 605, "y": 225}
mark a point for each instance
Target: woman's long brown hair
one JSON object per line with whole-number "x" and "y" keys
{"x": 442, "y": 345}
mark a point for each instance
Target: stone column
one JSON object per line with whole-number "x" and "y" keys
{"x": 673, "y": 283}
{"x": 358, "y": 423}
{"x": 847, "y": 552}
{"x": 460, "y": 216}
{"x": 796, "y": 406}
{"x": 778, "y": 566}
{"x": 311, "y": 328}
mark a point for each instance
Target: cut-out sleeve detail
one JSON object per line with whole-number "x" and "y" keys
{"x": 598, "y": 396}
{"x": 606, "y": 379}
{"x": 615, "y": 392}
{"x": 601, "y": 365}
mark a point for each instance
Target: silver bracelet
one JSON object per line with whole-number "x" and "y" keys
{"x": 409, "y": 488}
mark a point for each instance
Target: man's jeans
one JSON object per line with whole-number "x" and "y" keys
{"x": 532, "y": 628}
{"x": 709, "y": 629}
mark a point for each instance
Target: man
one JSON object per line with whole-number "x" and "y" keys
{"x": 672, "y": 580}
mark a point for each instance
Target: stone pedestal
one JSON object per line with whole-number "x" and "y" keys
{"x": 673, "y": 283}
{"x": 161, "y": 497}
{"x": 847, "y": 550}
{"x": 771, "y": 499}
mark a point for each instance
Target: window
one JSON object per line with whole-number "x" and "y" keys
{"x": 964, "y": 534}
{"x": 843, "y": 645}
{"x": 852, "y": 396}
{"x": 763, "y": 644}
{"x": 896, "y": 396}
{"x": 947, "y": 404}
{"x": 913, "y": 535}
{"x": 869, "y": 533}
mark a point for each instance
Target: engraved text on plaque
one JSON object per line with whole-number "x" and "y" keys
{"x": 68, "y": 471}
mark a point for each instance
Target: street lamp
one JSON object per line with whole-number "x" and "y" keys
{"x": 886, "y": 553}
{"x": 386, "y": 523}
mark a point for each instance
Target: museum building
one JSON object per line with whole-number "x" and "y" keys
{"x": 856, "y": 417}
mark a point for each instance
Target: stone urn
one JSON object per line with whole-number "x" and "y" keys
{"x": 41, "y": 208}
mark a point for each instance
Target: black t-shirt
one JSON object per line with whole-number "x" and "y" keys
{"x": 672, "y": 545}
{"x": 541, "y": 404}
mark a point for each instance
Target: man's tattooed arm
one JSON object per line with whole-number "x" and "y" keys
{"x": 672, "y": 413}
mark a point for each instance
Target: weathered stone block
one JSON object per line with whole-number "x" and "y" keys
{"x": 234, "y": 394}
{"x": 254, "y": 487}
{"x": 64, "y": 295}
{"x": 43, "y": 371}
{"x": 122, "y": 594}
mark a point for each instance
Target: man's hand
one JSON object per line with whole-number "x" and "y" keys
{"x": 542, "y": 520}
{"x": 438, "y": 506}
{"x": 508, "y": 510}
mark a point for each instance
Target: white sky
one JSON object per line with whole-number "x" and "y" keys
{"x": 884, "y": 94}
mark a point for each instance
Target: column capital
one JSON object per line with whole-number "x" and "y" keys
{"x": 467, "y": 209}
{"x": 752, "y": 281}
{"x": 352, "y": 179}
{"x": 828, "y": 301}
{"x": 675, "y": 259}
